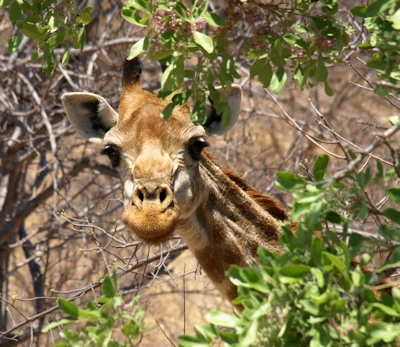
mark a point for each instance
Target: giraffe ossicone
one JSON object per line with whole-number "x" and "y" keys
{"x": 171, "y": 184}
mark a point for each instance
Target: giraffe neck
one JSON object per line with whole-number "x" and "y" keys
{"x": 230, "y": 224}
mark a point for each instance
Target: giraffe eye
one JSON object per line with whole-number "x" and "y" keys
{"x": 197, "y": 147}
{"x": 112, "y": 154}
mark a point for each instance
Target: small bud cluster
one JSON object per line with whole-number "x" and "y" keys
{"x": 296, "y": 51}
{"x": 324, "y": 43}
{"x": 256, "y": 15}
{"x": 165, "y": 20}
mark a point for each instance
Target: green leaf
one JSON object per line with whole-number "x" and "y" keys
{"x": 29, "y": 30}
{"x": 91, "y": 315}
{"x": 142, "y": 5}
{"x": 136, "y": 49}
{"x": 54, "y": 41}
{"x": 356, "y": 243}
{"x": 311, "y": 219}
{"x": 173, "y": 76}
{"x": 362, "y": 213}
{"x": 300, "y": 29}
{"x": 167, "y": 111}
{"x": 251, "y": 333}
{"x": 204, "y": 41}
{"x": 91, "y": 306}
{"x": 316, "y": 251}
{"x": 297, "y": 271}
{"x": 319, "y": 276}
{"x": 395, "y": 18}
{"x": 278, "y": 80}
{"x": 199, "y": 113}
{"x": 386, "y": 309}
{"x": 359, "y": 11}
{"x": 222, "y": 319}
{"x": 322, "y": 72}
{"x": 68, "y": 307}
{"x": 392, "y": 214}
{"x": 320, "y": 165}
{"x": 14, "y": 43}
{"x": 15, "y": 12}
{"x": 57, "y": 324}
{"x": 79, "y": 41}
{"x": 289, "y": 181}
{"x": 200, "y": 8}
{"x": 134, "y": 18}
{"x": 65, "y": 58}
{"x": 214, "y": 20}
{"x": 291, "y": 39}
{"x": 85, "y": 16}
{"x": 300, "y": 77}
{"x": 132, "y": 330}
{"x": 389, "y": 174}
{"x": 333, "y": 217}
{"x": 394, "y": 119}
{"x": 114, "y": 277}
{"x": 328, "y": 89}
{"x": 377, "y": 7}
{"x": 394, "y": 195}
{"x": 192, "y": 341}
{"x": 339, "y": 264}
{"x": 108, "y": 287}
{"x": 396, "y": 297}
{"x": 257, "y": 67}
{"x": 265, "y": 76}
{"x": 310, "y": 306}
{"x": 253, "y": 280}
{"x": 182, "y": 12}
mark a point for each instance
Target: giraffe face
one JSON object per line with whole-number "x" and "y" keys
{"x": 158, "y": 160}
{"x": 159, "y": 169}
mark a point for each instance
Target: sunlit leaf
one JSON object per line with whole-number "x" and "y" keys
{"x": 204, "y": 41}
{"x": 136, "y": 49}
{"x": 68, "y": 307}
{"x": 221, "y": 319}
{"x": 108, "y": 287}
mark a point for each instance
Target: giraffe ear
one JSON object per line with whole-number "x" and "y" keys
{"x": 90, "y": 115}
{"x": 213, "y": 125}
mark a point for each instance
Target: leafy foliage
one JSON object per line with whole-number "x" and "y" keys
{"x": 382, "y": 20}
{"x": 102, "y": 319}
{"x": 298, "y": 39}
{"x": 51, "y": 24}
{"x": 315, "y": 293}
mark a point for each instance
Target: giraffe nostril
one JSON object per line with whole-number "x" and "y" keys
{"x": 140, "y": 195}
{"x": 163, "y": 194}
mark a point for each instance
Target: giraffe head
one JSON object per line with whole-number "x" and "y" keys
{"x": 158, "y": 160}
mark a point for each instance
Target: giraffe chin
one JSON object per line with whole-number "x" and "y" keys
{"x": 151, "y": 225}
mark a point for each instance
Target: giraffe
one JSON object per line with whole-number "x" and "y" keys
{"x": 171, "y": 184}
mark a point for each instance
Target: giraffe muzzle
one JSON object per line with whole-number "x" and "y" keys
{"x": 153, "y": 213}
{"x": 159, "y": 198}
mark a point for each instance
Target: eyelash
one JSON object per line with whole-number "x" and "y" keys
{"x": 112, "y": 154}
{"x": 196, "y": 148}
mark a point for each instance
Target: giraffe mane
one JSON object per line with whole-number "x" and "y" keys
{"x": 268, "y": 203}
